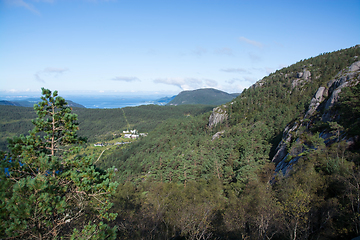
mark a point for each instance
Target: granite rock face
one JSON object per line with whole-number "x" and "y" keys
{"x": 218, "y": 115}
{"x": 302, "y": 78}
{"x": 347, "y": 77}
{"x": 304, "y": 74}
{"x": 315, "y": 101}
{"x": 341, "y": 80}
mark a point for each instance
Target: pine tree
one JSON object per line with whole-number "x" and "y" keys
{"x": 47, "y": 191}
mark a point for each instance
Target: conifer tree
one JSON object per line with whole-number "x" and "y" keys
{"x": 47, "y": 191}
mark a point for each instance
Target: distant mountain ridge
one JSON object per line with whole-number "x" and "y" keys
{"x": 164, "y": 100}
{"x": 206, "y": 96}
{"x": 31, "y": 102}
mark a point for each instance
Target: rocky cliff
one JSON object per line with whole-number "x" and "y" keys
{"x": 321, "y": 108}
{"x": 218, "y": 115}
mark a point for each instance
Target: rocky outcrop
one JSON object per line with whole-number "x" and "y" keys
{"x": 302, "y": 78}
{"x": 315, "y": 101}
{"x": 218, "y": 115}
{"x": 281, "y": 150}
{"x": 304, "y": 74}
{"x": 347, "y": 77}
{"x": 341, "y": 80}
{"x": 217, "y": 135}
{"x": 258, "y": 84}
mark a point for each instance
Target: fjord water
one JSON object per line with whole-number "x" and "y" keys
{"x": 113, "y": 101}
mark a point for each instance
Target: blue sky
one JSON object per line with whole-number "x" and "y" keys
{"x": 163, "y": 47}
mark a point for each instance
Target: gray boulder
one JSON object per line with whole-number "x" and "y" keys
{"x": 306, "y": 74}
{"x": 218, "y": 115}
{"x": 217, "y": 135}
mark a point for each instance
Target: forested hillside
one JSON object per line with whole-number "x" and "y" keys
{"x": 14, "y": 121}
{"x": 98, "y": 124}
{"x": 207, "y": 96}
{"x": 189, "y": 180}
{"x": 280, "y": 161}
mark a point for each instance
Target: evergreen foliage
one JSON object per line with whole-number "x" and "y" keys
{"x": 96, "y": 124}
{"x": 47, "y": 191}
{"x": 13, "y": 122}
{"x": 181, "y": 182}
{"x": 316, "y": 201}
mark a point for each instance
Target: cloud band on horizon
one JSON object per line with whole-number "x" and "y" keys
{"x": 187, "y": 83}
{"x": 125, "y": 79}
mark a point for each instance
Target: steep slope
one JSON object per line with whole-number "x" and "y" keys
{"x": 323, "y": 113}
{"x": 316, "y": 198}
{"x": 208, "y": 96}
{"x": 258, "y": 115}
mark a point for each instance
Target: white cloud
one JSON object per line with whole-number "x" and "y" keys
{"x": 250, "y": 79}
{"x": 211, "y": 83}
{"x": 224, "y": 51}
{"x": 49, "y": 72}
{"x": 199, "y": 51}
{"x": 182, "y": 83}
{"x": 282, "y": 66}
{"x": 178, "y": 82}
{"x": 278, "y": 44}
{"x": 235, "y": 70}
{"x": 125, "y": 79}
{"x": 38, "y": 78}
{"x": 231, "y": 81}
{"x": 251, "y": 42}
{"x": 269, "y": 70}
{"x": 237, "y": 85}
{"x": 232, "y": 88}
{"x": 254, "y": 57}
{"x": 27, "y": 5}
{"x": 56, "y": 71}
{"x": 23, "y": 4}
{"x": 187, "y": 83}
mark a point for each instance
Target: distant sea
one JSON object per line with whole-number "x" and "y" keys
{"x": 98, "y": 101}
{"x": 113, "y": 101}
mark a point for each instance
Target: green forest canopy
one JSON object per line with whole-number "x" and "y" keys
{"x": 180, "y": 183}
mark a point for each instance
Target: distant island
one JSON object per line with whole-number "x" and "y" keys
{"x": 31, "y": 102}
{"x": 206, "y": 96}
